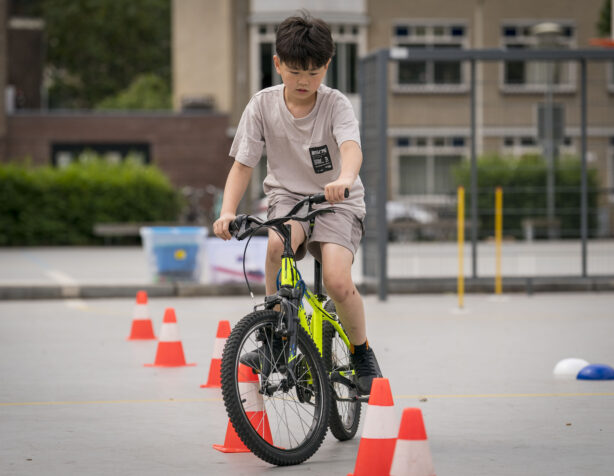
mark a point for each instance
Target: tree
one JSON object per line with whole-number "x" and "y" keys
{"x": 96, "y": 48}
{"x": 605, "y": 18}
{"x": 147, "y": 91}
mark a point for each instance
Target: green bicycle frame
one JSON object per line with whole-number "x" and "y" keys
{"x": 289, "y": 277}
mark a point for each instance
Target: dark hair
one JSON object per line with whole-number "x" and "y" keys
{"x": 304, "y": 41}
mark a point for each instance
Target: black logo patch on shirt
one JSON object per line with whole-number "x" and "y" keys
{"x": 320, "y": 158}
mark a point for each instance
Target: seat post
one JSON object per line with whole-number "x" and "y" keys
{"x": 317, "y": 277}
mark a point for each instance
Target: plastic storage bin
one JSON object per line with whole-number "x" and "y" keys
{"x": 174, "y": 253}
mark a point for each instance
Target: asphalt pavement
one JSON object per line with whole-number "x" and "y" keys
{"x": 76, "y": 398}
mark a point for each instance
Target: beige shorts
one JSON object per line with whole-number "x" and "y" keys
{"x": 342, "y": 228}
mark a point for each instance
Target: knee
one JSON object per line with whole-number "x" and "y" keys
{"x": 339, "y": 287}
{"x": 275, "y": 249}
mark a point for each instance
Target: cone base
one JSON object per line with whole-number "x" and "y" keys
{"x": 141, "y": 338}
{"x": 207, "y": 385}
{"x": 223, "y": 449}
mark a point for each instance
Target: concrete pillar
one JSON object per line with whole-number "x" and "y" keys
{"x": 202, "y": 53}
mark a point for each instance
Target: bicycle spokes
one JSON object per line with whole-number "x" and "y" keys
{"x": 290, "y": 395}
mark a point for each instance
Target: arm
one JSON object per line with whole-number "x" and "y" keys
{"x": 351, "y": 160}
{"x": 236, "y": 184}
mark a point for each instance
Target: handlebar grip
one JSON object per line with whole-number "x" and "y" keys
{"x": 321, "y": 198}
{"x": 318, "y": 198}
{"x": 235, "y": 225}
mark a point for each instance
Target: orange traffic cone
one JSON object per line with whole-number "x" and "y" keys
{"x": 142, "y": 329}
{"x": 223, "y": 331}
{"x": 412, "y": 456}
{"x": 170, "y": 350}
{"x": 378, "y": 434}
{"x": 254, "y": 409}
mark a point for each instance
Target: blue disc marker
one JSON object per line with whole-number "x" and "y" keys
{"x": 596, "y": 372}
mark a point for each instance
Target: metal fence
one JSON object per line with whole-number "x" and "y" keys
{"x": 558, "y": 215}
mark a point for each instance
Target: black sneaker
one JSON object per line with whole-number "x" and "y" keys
{"x": 366, "y": 367}
{"x": 262, "y": 360}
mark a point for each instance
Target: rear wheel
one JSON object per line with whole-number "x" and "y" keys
{"x": 344, "y": 414}
{"x": 281, "y": 420}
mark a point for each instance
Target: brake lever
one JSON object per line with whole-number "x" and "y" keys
{"x": 240, "y": 227}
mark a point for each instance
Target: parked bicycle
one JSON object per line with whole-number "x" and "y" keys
{"x": 300, "y": 353}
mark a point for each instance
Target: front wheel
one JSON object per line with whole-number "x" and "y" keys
{"x": 280, "y": 419}
{"x": 345, "y": 414}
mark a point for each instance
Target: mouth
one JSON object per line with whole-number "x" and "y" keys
{"x": 300, "y": 90}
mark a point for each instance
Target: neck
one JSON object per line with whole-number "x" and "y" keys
{"x": 299, "y": 108}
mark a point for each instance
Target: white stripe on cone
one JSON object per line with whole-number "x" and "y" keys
{"x": 380, "y": 422}
{"x": 253, "y": 399}
{"x": 140, "y": 312}
{"x": 218, "y": 347}
{"x": 412, "y": 458}
{"x": 169, "y": 332}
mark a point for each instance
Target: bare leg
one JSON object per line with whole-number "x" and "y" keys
{"x": 275, "y": 249}
{"x": 336, "y": 271}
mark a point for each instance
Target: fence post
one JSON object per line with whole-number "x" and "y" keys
{"x": 461, "y": 245}
{"x": 498, "y": 238}
{"x": 474, "y": 178}
{"x": 583, "y": 180}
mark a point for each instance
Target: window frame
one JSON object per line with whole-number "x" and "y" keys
{"x": 430, "y": 39}
{"x": 424, "y": 144}
{"x": 343, "y": 33}
{"x": 528, "y": 41}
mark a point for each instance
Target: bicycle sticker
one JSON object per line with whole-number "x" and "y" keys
{"x": 320, "y": 158}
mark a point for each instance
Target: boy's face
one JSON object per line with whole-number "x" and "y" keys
{"x": 300, "y": 84}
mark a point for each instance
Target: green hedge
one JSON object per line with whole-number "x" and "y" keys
{"x": 525, "y": 194}
{"x": 50, "y": 206}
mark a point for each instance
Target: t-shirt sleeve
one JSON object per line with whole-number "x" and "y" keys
{"x": 345, "y": 124}
{"x": 249, "y": 139}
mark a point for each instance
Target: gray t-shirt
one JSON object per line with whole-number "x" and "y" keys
{"x": 302, "y": 154}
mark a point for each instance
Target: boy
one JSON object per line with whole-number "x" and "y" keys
{"x": 312, "y": 145}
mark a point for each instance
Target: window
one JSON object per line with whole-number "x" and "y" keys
{"x": 534, "y": 76}
{"x": 342, "y": 72}
{"x": 520, "y": 145}
{"x": 429, "y": 76}
{"x": 426, "y": 164}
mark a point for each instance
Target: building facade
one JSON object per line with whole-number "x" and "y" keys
{"x": 428, "y": 113}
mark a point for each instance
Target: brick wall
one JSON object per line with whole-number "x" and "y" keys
{"x": 191, "y": 149}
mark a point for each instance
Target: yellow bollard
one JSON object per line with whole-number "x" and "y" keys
{"x": 498, "y": 238}
{"x": 461, "y": 245}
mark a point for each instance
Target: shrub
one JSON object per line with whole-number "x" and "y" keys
{"x": 49, "y": 206}
{"x": 523, "y": 181}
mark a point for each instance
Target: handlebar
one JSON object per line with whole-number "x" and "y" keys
{"x": 240, "y": 228}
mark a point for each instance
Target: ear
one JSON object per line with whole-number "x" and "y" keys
{"x": 277, "y": 64}
{"x": 327, "y": 64}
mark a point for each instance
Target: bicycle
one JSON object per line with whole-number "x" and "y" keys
{"x": 306, "y": 382}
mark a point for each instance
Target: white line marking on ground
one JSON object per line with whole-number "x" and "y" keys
{"x": 70, "y": 287}
{"x": 76, "y": 304}
{"x": 61, "y": 277}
